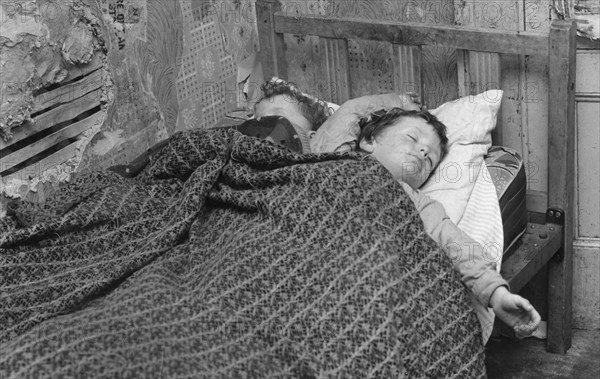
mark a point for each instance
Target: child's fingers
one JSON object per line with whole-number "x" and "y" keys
{"x": 525, "y": 330}
{"x": 535, "y": 318}
{"x": 527, "y": 327}
{"x": 522, "y": 303}
{"x": 533, "y": 315}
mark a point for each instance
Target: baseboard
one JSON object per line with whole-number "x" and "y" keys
{"x": 586, "y": 283}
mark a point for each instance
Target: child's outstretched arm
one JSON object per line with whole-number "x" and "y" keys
{"x": 477, "y": 273}
{"x": 515, "y": 311}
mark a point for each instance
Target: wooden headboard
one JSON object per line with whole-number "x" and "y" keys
{"x": 407, "y": 38}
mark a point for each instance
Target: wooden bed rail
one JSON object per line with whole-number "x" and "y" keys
{"x": 416, "y": 34}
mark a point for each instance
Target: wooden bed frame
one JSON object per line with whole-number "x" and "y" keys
{"x": 548, "y": 240}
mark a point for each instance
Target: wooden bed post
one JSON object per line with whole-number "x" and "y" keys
{"x": 272, "y": 46}
{"x": 561, "y": 180}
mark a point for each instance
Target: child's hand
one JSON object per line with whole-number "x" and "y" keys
{"x": 515, "y": 311}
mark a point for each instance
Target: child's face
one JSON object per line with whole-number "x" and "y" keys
{"x": 410, "y": 149}
{"x": 284, "y": 106}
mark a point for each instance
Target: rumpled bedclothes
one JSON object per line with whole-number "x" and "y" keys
{"x": 229, "y": 257}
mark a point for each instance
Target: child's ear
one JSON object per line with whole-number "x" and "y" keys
{"x": 366, "y": 145}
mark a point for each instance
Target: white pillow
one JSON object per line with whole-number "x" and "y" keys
{"x": 470, "y": 121}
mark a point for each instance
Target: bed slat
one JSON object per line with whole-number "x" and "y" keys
{"x": 407, "y": 69}
{"x": 479, "y": 72}
{"x": 409, "y": 33}
{"x": 272, "y": 46}
{"x": 561, "y": 179}
{"x": 334, "y": 69}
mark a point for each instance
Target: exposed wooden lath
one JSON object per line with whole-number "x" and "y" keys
{"x": 59, "y": 116}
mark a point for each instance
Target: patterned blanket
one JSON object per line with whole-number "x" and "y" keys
{"x": 229, "y": 257}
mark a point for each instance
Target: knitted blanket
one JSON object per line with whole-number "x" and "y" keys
{"x": 230, "y": 257}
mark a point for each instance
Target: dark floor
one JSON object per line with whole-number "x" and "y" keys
{"x": 528, "y": 358}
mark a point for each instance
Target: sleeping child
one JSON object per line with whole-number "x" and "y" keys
{"x": 410, "y": 144}
{"x": 285, "y": 116}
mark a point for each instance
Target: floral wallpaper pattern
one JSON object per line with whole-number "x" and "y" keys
{"x": 175, "y": 64}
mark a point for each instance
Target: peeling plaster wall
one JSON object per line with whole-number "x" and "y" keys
{"x": 37, "y": 51}
{"x": 144, "y": 44}
{"x": 169, "y": 65}
{"x": 174, "y": 64}
{"x": 43, "y": 45}
{"x": 29, "y": 60}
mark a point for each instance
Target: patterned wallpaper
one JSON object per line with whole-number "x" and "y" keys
{"x": 144, "y": 49}
{"x": 217, "y": 35}
{"x": 174, "y": 63}
{"x": 174, "y": 67}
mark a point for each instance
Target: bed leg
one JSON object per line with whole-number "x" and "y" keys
{"x": 560, "y": 284}
{"x": 561, "y": 178}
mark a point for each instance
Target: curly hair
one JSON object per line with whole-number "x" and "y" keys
{"x": 372, "y": 125}
{"x": 314, "y": 110}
